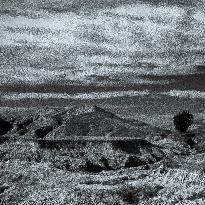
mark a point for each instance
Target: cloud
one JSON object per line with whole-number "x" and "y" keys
{"x": 85, "y": 96}
{"x": 185, "y": 94}
{"x": 129, "y": 38}
{"x": 34, "y": 8}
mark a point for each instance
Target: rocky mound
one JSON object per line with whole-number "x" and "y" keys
{"x": 99, "y": 122}
{"x": 93, "y": 121}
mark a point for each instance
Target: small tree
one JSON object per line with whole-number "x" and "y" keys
{"x": 183, "y": 120}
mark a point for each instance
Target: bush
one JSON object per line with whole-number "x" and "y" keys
{"x": 5, "y": 126}
{"x": 183, "y": 120}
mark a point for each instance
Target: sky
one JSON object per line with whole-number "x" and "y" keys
{"x": 100, "y": 42}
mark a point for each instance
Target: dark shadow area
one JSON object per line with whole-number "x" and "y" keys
{"x": 134, "y": 161}
{"x": 91, "y": 167}
{"x": 3, "y": 139}
{"x": 43, "y": 131}
{"x": 132, "y": 146}
{"x": 5, "y": 126}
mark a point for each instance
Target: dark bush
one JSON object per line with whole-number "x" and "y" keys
{"x": 106, "y": 163}
{"x": 5, "y": 126}
{"x": 190, "y": 140}
{"x": 183, "y": 120}
{"x": 3, "y": 188}
{"x": 90, "y": 167}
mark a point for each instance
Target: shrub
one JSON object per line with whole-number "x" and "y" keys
{"x": 5, "y": 126}
{"x": 183, "y": 120}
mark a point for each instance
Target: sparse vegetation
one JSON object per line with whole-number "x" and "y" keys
{"x": 183, "y": 120}
{"x": 95, "y": 170}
